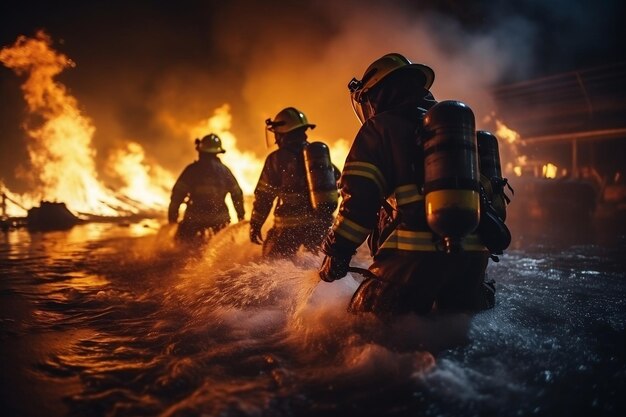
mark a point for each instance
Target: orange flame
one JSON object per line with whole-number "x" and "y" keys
{"x": 61, "y": 154}
{"x": 513, "y": 140}
{"x": 145, "y": 183}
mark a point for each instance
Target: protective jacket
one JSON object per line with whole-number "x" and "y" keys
{"x": 204, "y": 184}
{"x": 295, "y": 221}
{"x": 382, "y": 201}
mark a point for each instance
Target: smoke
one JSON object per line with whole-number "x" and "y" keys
{"x": 144, "y": 72}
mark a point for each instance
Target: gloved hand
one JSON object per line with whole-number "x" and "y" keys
{"x": 255, "y": 234}
{"x": 334, "y": 267}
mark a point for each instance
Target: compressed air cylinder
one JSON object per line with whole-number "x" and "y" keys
{"x": 320, "y": 177}
{"x": 491, "y": 170}
{"x": 451, "y": 173}
{"x": 488, "y": 154}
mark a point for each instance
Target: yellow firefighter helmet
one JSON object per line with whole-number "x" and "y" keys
{"x": 211, "y": 143}
{"x": 287, "y": 120}
{"x": 376, "y": 72}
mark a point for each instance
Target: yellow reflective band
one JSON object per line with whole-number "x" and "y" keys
{"x": 408, "y": 193}
{"x": 423, "y": 241}
{"x": 463, "y": 199}
{"x": 367, "y": 170}
{"x": 350, "y": 230}
{"x": 410, "y": 240}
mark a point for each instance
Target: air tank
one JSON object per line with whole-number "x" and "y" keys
{"x": 320, "y": 177}
{"x": 488, "y": 154}
{"x": 451, "y": 173}
{"x": 491, "y": 171}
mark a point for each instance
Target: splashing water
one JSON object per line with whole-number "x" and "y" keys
{"x": 108, "y": 321}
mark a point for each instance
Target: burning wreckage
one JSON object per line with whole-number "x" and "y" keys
{"x": 56, "y": 216}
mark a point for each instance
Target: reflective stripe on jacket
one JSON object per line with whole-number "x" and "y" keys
{"x": 386, "y": 163}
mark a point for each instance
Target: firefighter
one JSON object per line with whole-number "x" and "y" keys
{"x": 286, "y": 179}
{"x": 383, "y": 201}
{"x": 203, "y": 185}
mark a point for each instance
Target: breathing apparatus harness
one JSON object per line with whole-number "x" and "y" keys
{"x": 489, "y": 224}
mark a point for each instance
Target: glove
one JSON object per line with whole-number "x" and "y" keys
{"x": 334, "y": 267}
{"x": 255, "y": 234}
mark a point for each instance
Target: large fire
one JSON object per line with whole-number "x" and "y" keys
{"x": 62, "y": 156}
{"x": 63, "y": 159}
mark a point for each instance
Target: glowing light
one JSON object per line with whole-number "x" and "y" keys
{"x": 504, "y": 132}
{"x": 60, "y": 149}
{"x": 338, "y": 152}
{"x": 513, "y": 140}
{"x": 549, "y": 170}
{"x": 147, "y": 184}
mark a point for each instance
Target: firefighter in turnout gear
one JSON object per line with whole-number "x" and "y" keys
{"x": 203, "y": 185}
{"x": 383, "y": 200}
{"x": 302, "y": 215}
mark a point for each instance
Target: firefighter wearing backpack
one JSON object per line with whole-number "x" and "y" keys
{"x": 397, "y": 186}
{"x": 301, "y": 177}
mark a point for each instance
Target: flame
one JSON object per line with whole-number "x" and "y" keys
{"x": 339, "y": 151}
{"x": 12, "y": 205}
{"x": 60, "y": 149}
{"x": 60, "y": 153}
{"x": 63, "y": 159}
{"x": 549, "y": 170}
{"x": 513, "y": 141}
{"x": 506, "y": 133}
{"x": 521, "y": 162}
{"x": 148, "y": 184}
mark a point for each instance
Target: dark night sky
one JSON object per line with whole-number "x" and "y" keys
{"x": 138, "y": 60}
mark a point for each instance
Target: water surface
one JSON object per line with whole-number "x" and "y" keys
{"x": 104, "y": 320}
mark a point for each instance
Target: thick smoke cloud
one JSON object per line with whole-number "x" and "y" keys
{"x": 145, "y": 71}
